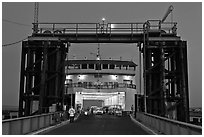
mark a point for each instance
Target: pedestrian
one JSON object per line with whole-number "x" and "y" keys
{"x": 132, "y": 109}
{"x": 71, "y": 114}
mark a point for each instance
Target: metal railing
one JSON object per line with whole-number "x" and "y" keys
{"x": 96, "y": 86}
{"x": 104, "y": 28}
{"x": 168, "y": 126}
{"x": 25, "y": 125}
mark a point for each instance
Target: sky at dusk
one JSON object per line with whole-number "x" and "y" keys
{"x": 187, "y": 15}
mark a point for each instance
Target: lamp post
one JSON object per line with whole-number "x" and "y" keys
{"x": 103, "y": 25}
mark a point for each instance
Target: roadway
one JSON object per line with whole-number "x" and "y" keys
{"x": 100, "y": 125}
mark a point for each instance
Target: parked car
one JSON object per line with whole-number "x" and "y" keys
{"x": 87, "y": 112}
{"x": 110, "y": 111}
{"x": 118, "y": 112}
{"x": 99, "y": 111}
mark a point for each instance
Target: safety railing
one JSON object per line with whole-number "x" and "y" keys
{"x": 85, "y": 28}
{"x": 26, "y": 125}
{"x": 162, "y": 27}
{"x": 96, "y": 86}
{"x": 168, "y": 126}
{"x": 104, "y": 28}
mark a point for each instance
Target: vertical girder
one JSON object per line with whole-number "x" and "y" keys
{"x": 42, "y": 76}
{"x": 166, "y": 79}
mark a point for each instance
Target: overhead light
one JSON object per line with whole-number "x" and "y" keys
{"x": 81, "y": 77}
{"x": 114, "y": 77}
{"x": 127, "y": 77}
{"x": 112, "y": 26}
{"x": 103, "y": 19}
{"x": 68, "y": 76}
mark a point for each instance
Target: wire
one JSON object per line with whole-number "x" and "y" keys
{"x": 17, "y": 23}
{"x": 5, "y": 45}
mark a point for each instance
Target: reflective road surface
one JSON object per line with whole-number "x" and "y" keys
{"x": 100, "y": 125}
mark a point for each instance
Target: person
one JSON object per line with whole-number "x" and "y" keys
{"x": 132, "y": 109}
{"x": 71, "y": 114}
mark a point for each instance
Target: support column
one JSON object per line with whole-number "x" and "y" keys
{"x": 43, "y": 79}
{"x": 22, "y": 80}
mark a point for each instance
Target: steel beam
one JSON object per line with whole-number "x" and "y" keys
{"x": 122, "y": 38}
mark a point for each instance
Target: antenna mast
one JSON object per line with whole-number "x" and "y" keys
{"x": 36, "y": 10}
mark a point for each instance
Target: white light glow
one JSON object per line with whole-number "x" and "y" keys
{"x": 101, "y": 96}
{"x": 103, "y": 19}
{"x": 112, "y": 26}
{"x": 114, "y": 77}
{"x": 68, "y": 76}
{"x": 81, "y": 77}
{"x": 96, "y": 93}
{"x": 127, "y": 77}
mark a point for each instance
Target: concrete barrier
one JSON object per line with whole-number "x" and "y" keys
{"x": 25, "y": 125}
{"x": 168, "y": 126}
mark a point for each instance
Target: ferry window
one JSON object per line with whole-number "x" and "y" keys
{"x": 71, "y": 66}
{"x": 116, "y": 84}
{"x": 77, "y": 66}
{"x": 105, "y": 66}
{"x": 85, "y": 84}
{"x": 84, "y": 66}
{"x": 118, "y": 66}
{"x": 131, "y": 67}
{"x": 125, "y": 67}
{"x": 98, "y": 76}
{"x": 91, "y": 66}
{"x": 98, "y": 66}
{"x": 112, "y": 66}
{"x": 79, "y": 84}
{"x": 110, "y": 83}
{"x": 195, "y": 120}
{"x": 127, "y": 81}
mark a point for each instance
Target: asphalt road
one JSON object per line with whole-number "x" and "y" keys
{"x": 100, "y": 125}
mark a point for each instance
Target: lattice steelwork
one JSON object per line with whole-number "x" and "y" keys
{"x": 165, "y": 75}
{"x": 42, "y": 76}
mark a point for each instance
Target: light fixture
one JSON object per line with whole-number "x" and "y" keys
{"x": 112, "y": 26}
{"x": 127, "y": 77}
{"x": 114, "y": 77}
{"x": 81, "y": 77}
{"x": 103, "y": 19}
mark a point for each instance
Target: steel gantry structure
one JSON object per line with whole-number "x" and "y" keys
{"x": 163, "y": 53}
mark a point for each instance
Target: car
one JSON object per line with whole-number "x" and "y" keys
{"x": 118, "y": 112}
{"x": 111, "y": 111}
{"x": 105, "y": 109}
{"x": 93, "y": 109}
{"x": 86, "y": 112}
{"x": 99, "y": 111}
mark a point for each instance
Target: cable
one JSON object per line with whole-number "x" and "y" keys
{"x": 17, "y": 23}
{"x": 5, "y": 45}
